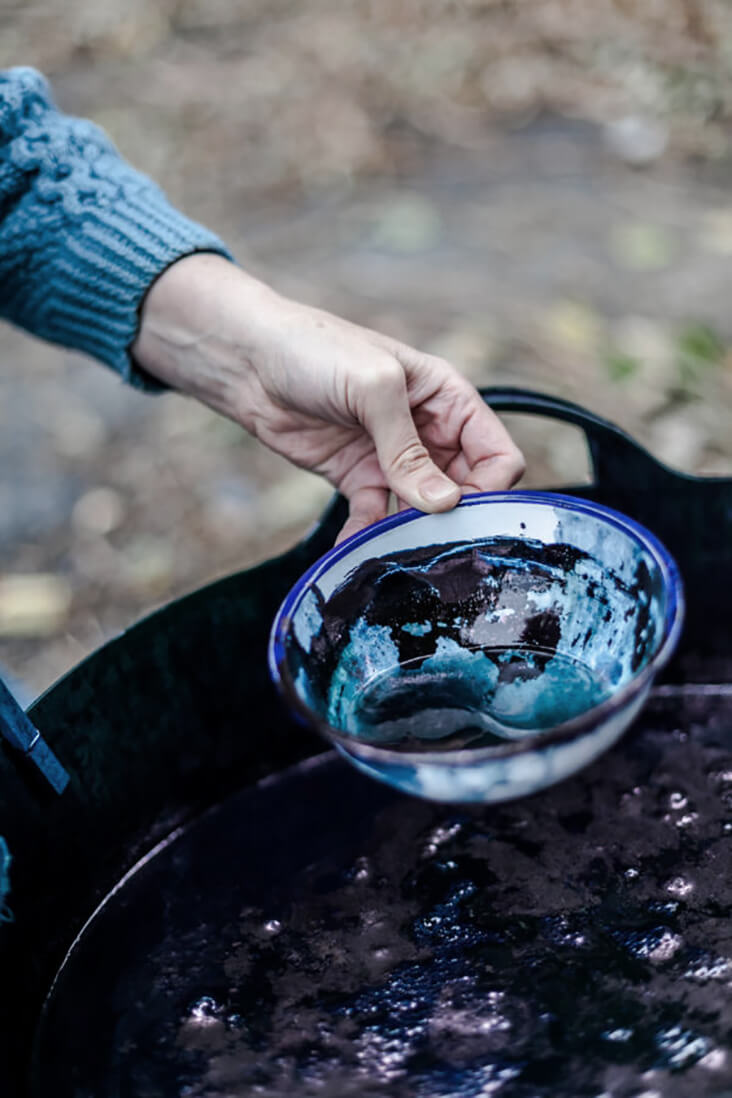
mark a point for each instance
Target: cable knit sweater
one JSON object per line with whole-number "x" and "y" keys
{"x": 82, "y": 238}
{"x": 82, "y": 234}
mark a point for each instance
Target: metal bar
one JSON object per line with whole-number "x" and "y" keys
{"x": 22, "y": 735}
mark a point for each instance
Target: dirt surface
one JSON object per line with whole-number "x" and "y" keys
{"x": 540, "y": 192}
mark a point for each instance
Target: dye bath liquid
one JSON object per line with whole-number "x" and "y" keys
{"x": 472, "y": 698}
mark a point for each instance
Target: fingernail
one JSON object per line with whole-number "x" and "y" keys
{"x": 437, "y": 490}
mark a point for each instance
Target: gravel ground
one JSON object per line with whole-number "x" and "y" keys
{"x": 539, "y": 192}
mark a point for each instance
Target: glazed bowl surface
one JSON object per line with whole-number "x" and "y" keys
{"x": 484, "y": 653}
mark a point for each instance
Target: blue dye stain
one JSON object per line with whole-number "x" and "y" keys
{"x": 417, "y": 628}
{"x": 462, "y": 645}
{"x": 6, "y": 915}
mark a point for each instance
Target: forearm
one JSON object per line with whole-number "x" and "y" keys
{"x": 82, "y": 234}
{"x": 369, "y": 413}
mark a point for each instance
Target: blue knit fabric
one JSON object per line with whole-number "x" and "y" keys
{"x": 82, "y": 234}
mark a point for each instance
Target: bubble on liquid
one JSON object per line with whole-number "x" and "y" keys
{"x": 631, "y": 873}
{"x": 681, "y": 1047}
{"x": 204, "y": 1012}
{"x": 679, "y": 886}
{"x": 677, "y": 801}
{"x": 438, "y": 837}
{"x": 383, "y": 1056}
{"x": 666, "y": 947}
{"x": 449, "y": 865}
{"x": 361, "y": 869}
{"x": 717, "y": 968}
{"x": 482, "y": 1018}
{"x": 720, "y": 777}
{"x": 620, "y": 1035}
{"x": 272, "y": 927}
{"x": 670, "y": 907}
{"x": 559, "y": 930}
{"x": 714, "y": 1060}
{"x": 654, "y": 945}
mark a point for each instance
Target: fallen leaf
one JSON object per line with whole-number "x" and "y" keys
{"x": 574, "y": 326}
{"x": 715, "y": 231}
{"x": 642, "y": 247}
{"x": 408, "y": 223}
{"x": 33, "y": 605}
{"x": 621, "y": 367}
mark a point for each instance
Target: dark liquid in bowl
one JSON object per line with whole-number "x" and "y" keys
{"x": 482, "y": 697}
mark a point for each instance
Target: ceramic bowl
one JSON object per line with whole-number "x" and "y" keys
{"x": 484, "y": 653}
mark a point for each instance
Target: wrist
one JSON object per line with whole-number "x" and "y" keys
{"x": 198, "y": 329}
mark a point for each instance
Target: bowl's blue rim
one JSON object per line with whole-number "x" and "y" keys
{"x": 568, "y": 730}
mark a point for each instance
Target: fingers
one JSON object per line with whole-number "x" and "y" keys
{"x": 493, "y": 461}
{"x": 486, "y": 457}
{"x": 470, "y": 449}
{"x": 495, "y": 474}
{"x": 367, "y": 505}
{"x": 409, "y": 470}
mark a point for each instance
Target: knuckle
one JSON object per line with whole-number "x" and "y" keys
{"x": 374, "y": 389}
{"x": 439, "y": 368}
{"x": 409, "y": 460}
{"x": 439, "y": 363}
{"x": 384, "y": 375}
{"x": 516, "y": 464}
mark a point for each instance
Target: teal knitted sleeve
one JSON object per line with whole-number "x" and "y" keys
{"x": 82, "y": 234}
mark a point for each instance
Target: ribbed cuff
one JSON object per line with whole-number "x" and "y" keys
{"x": 104, "y": 267}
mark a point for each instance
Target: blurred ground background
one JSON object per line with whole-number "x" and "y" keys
{"x": 540, "y": 190}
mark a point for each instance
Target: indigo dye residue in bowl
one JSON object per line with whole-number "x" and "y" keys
{"x": 483, "y": 654}
{"x": 464, "y": 644}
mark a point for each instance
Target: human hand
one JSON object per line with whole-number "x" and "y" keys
{"x": 368, "y": 412}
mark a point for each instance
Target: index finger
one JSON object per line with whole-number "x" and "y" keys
{"x": 493, "y": 461}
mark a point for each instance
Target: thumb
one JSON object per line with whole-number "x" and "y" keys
{"x": 405, "y": 461}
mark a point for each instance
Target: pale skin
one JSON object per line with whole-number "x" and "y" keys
{"x": 367, "y": 412}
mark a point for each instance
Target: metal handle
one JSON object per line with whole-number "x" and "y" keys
{"x": 25, "y": 739}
